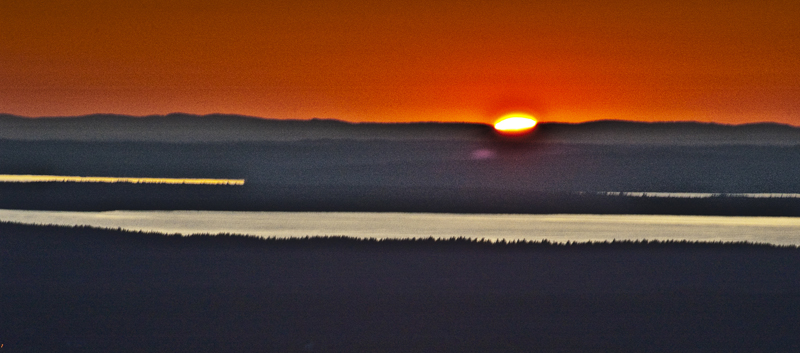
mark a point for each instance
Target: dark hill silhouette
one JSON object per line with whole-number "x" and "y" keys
{"x": 222, "y": 128}
{"x": 92, "y": 290}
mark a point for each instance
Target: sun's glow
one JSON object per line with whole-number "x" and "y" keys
{"x": 26, "y": 178}
{"x": 516, "y": 123}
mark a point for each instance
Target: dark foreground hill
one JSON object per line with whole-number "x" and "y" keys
{"x": 90, "y": 290}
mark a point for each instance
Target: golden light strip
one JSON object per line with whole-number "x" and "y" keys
{"x": 22, "y": 178}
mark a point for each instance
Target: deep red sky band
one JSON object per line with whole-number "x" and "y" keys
{"x": 392, "y": 61}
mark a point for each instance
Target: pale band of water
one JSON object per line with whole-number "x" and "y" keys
{"x": 694, "y": 195}
{"x": 27, "y": 178}
{"x": 511, "y": 227}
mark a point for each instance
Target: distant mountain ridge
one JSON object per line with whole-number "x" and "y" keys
{"x": 179, "y": 127}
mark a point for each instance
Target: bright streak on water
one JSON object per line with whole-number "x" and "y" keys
{"x": 28, "y": 178}
{"x": 695, "y": 195}
{"x": 557, "y": 228}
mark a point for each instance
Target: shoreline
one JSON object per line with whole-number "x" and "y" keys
{"x": 557, "y": 228}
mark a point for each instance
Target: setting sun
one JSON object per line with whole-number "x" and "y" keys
{"x": 515, "y": 123}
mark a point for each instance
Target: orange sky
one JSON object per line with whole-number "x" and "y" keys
{"x": 415, "y": 60}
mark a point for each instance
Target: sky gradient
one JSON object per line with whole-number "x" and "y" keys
{"x": 417, "y": 60}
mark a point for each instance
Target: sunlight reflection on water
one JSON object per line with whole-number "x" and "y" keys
{"x": 557, "y": 228}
